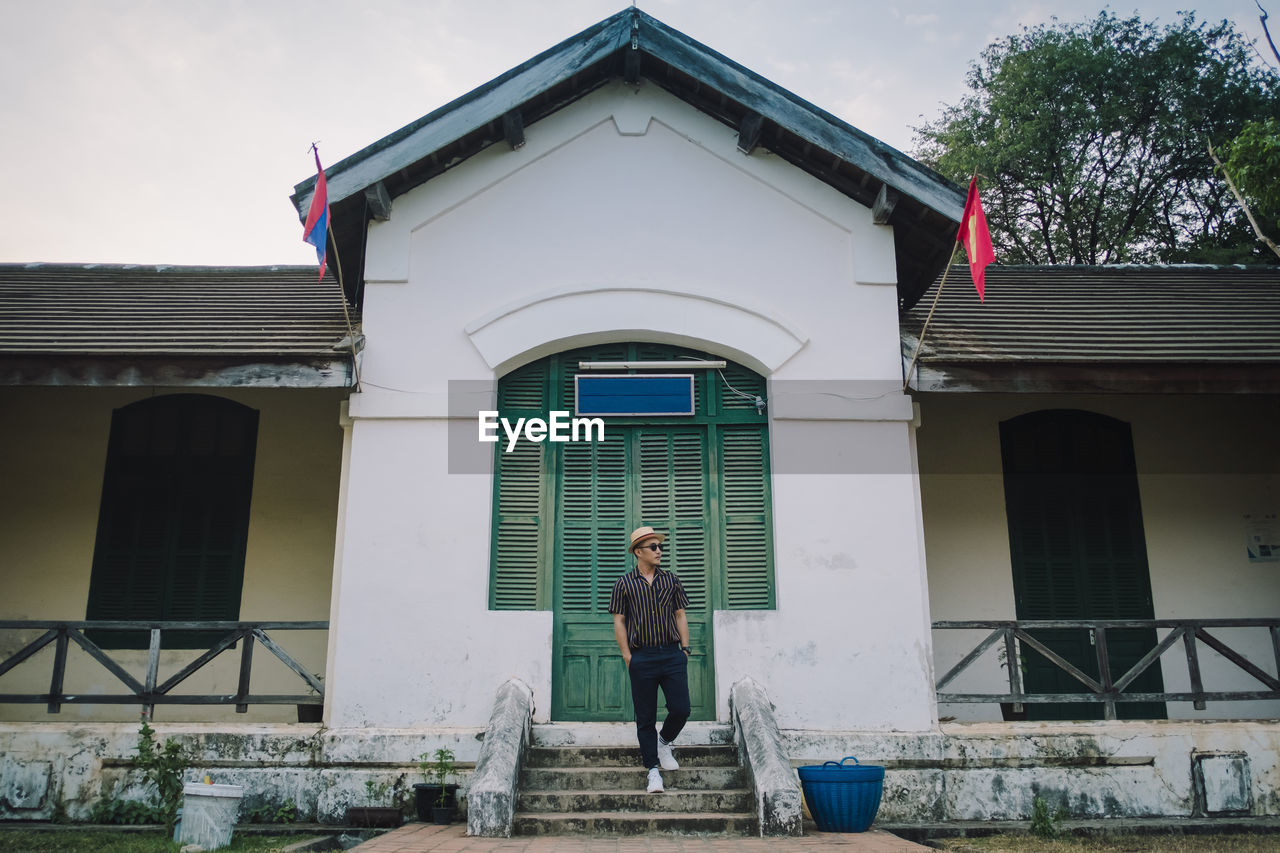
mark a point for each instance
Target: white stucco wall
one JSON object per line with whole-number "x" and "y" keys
{"x": 1204, "y": 462}
{"x": 630, "y": 216}
{"x": 53, "y": 450}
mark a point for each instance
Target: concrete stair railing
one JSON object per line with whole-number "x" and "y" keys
{"x": 491, "y": 798}
{"x": 777, "y": 789}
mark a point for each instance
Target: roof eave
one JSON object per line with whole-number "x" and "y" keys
{"x": 87, "y": 370}
{"x": 1098, "y": 377}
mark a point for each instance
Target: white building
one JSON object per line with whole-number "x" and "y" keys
{"x": 632, "y": 196}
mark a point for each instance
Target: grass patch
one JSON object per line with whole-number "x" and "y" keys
{"x": 1243, "y": 843}
{"x": 104, "y": 841}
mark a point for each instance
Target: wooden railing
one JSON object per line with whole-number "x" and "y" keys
{"x": 150, "y": 691}
{"x": 1110, "y": 688}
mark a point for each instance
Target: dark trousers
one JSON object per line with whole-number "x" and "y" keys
{"x": 653, "y": 667}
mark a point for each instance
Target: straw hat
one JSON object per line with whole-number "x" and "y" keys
{"x": 641, "y": 533}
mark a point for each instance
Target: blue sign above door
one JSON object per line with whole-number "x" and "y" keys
{"x": 633, "y": 394}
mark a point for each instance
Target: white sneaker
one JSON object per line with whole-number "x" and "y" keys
{"x": 665, "y": 756}
{"x": 655, "y": 781}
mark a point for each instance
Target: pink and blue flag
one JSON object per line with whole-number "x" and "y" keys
{"x": 316, "y": 230}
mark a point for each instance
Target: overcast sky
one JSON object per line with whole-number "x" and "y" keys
{"x": 173, "y": 131}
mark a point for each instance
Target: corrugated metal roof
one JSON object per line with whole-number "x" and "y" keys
{"x": 1121, "y": 314}
{"x": 67, "y": 309}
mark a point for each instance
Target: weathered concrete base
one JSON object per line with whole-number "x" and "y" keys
{"x": 66, "y": 768}
{"x": 1094, "y": 770}
{"x": 922, "y": 833}
{"x": 760, "y": 748}
{"x": 491, "y": 799}
{"x": 962, "y": 771}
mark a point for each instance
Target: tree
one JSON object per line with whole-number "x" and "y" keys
{"x": 1252, "y": 170}
{"x": 1092, "y": 140}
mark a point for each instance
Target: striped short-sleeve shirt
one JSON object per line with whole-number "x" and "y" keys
{"x": 650, "y": 608}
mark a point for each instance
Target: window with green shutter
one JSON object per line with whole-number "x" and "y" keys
{"x": 1078, "y": 551}
{"x": 174, "y": 517}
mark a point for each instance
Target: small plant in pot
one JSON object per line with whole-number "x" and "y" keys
{"x": 436, "y": 799}
{"x": 375, "y": 815}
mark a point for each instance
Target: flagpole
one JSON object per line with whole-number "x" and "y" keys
{"x": 906, "y": 379}
{"x": 351, "y": 335}
{"x": 337, "y": 260}
{"x": 920, "y": 340}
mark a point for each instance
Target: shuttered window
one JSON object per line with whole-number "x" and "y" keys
{"x": 1078, "y": 550}
{"x": 174, "y": 517}
{"x": 704, "y": 480}
{"x": 747, "y": 548}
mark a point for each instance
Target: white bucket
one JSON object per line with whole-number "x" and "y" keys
{"x": 209, "y": 814}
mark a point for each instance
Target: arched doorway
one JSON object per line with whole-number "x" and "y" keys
{"x": 562, "y": 513}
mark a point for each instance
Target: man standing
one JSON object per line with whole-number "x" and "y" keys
{"x": 652, "y": 631}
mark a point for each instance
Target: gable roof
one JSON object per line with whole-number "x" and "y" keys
{"x": 131, "y": 325}
{"x": 923, "y": 207}
{"x": 1137, "y": 328}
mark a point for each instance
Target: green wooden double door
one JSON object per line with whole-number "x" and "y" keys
{"x": 564, "y": 511}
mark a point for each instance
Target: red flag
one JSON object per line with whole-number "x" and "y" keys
{"x": 975, "y": 238}
{"x": 316, "y": 229}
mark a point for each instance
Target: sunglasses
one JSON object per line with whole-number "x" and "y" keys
{"x": 654, "y": 547}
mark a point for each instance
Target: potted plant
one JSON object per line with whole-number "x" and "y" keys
{"x": 373, "y": 815}
{"x": 436, "y": 799}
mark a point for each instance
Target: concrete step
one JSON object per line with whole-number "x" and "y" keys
{"x": 612, "y": 734}
{"x": 674, "y": 801}
{"x": 579, "y": 781}
{"x": 627, "y": 756}
{"x": 634, "y": 778}
{"x": 635, "y": 823}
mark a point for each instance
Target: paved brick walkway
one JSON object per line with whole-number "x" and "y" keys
{"x": 427, "y": 838}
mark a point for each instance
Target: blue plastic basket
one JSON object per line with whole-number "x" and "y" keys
{"x": 841, "y": 797}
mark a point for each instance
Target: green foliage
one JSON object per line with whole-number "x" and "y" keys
{"x": 114, "y": 841}
{"x": 125, "y": 812}
{"x": 438, "y": 767}
{"x": 285, "y": 813}
{"x": 1253, "y": 161}
{"x": 392, "y": 794}
{"x": 1046, "y": 823}
{"x": 1092, "y": 139}
{"x": 164, "y": 766}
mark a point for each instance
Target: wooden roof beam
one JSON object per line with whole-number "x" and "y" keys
{"x": 882, "y": 207}
{"x": 749, "y": 130}
{"x": 631, "y": 56}
{"x": 379, "y": 201}
{"x": 513, "y": 129}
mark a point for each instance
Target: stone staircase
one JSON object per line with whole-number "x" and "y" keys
{"x": 599, "y": 789}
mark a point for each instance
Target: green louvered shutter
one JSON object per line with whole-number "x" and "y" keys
{"x": 593, "y": 515}
{"x": 673, "y": 498}
{"x": 747, "y": 547}
{"x": 1078, "y": 551}
{"x": 174, "y": 518}
{"x": 520, "y": 502}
